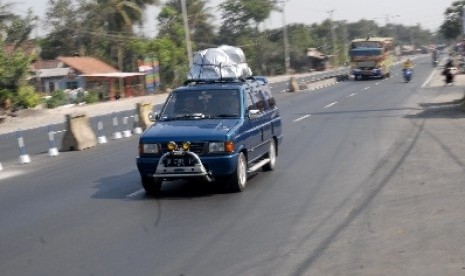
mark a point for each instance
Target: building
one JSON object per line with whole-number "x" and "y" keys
{"x": 88, "y": 73}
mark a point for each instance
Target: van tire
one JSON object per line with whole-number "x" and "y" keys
{"x": 238, "y": 180}
{"x": 272, "y": 156}
{"x": 151, "y": 185}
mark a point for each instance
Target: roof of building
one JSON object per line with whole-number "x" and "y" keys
{"x": 53, "y": 72}
{"x": 88, "y": 65}
{"x": 114, "y": 75}
{"x": 45, "y": 64}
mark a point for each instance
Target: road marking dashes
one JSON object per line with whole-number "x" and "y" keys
{"x": 136, "y": 193}
{"x": 331, "y": 104}
{"x": 301, "y": 118}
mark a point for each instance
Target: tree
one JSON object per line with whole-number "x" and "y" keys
{"x": 100, "y": 28}
{"x": 242, "y": 19}
{"x": 20, "y": 28}
{"x": 14, "y": 91}
{"x": 171, "y": 57}
{"x": 243, "y": 13}
{"x": 452, "y": 26}
{"x": 6, "y": 16}
{"x": 174, "y": 65}
{"x": 67, "y": 36}
{"x": 200, "y": 29}
{"x": 14, "y": 62}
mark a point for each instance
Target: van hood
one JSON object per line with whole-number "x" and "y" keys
{"x": 193, "y": 130}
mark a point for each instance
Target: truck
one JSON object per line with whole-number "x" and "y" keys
{"x": 371, "y": 57}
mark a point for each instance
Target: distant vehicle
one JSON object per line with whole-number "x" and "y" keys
{"x": 228, "y": 129}
{"x": 371, "y": 57}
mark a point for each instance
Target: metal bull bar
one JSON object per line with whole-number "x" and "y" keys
{"x": 172, "y": 165}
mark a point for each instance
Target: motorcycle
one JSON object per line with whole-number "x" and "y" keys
{"x": 407, "y": 74}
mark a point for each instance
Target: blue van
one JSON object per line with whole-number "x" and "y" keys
{"x": 213, "y": 130}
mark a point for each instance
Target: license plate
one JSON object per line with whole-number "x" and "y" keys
{"x": 178, "y": 162}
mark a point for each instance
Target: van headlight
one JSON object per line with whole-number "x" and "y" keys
{"x": 148, "y": 148}
{"x": 221, "y": 147}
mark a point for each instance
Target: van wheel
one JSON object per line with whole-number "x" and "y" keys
{"x": 151, "y": 185}
{"x": 272, "y": 156}
{"x": 238, "y": 180}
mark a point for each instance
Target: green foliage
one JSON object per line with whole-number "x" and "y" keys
{"x": 27, "y": 97}
{"x": 105, "y": 29}
{"x": 6, "y": 97}
{"x": 21, "y": 28}
{"x": 172, "y": 58}
{"x": 91, "y": 97}
{"x": 56, "y": 99}
{"x": 452, "y": 26}
{"x": 241, "y": 13}
{"x": 13, "y": 69}
{"x": 13, "y": 73}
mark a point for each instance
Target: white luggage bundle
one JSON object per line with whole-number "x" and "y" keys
{"x": 224, "y": 62}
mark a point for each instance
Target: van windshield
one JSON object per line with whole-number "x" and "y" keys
{"x": 199, "y": 104}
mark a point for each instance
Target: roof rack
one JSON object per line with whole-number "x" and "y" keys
{"x": 221, "y": 80}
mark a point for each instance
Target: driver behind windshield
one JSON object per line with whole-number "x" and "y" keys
{"x": 187, "y": 105}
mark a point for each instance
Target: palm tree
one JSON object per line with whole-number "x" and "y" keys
{"x": 119, "y": 16}
{"x": 199, "y": 17}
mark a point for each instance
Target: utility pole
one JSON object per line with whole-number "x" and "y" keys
{"x": 186, "y": 30}
{"x": 333, "y": 35}
{"x": 346, "y": 42}
{"x": 287, "y": 60}
{"x": 120, "y": 54}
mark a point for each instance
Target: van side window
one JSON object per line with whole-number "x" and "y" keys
{"x": 258, "y": 100}
{"x": 269, "y": 98}
{"x": 248, "y": 101}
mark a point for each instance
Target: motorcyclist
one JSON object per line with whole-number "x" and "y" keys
{"x": 407, "y": 64}
{"x": 434, "y": 56}
{"x": 407, "y": 67}
{"x": 447, "y": 72}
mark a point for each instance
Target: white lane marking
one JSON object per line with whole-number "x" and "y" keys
{"x": 136, "y": 193}
{"x": 428, "y": 80}
{"x": 331, "y": 104}
{"x": 301, "y": 118}
{"x": 351, "y": 95}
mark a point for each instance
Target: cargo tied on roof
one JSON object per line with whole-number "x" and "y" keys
{"x": 223, "y": 62}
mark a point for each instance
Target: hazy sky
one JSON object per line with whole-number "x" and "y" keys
{"x": 429, "y": 14}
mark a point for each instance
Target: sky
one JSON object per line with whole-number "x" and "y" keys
{"x": 429, "y": 14}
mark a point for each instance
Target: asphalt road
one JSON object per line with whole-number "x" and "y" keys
{"x": 369, "y": 181}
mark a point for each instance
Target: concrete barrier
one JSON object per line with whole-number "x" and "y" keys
{"x": 293, "y": 85}
{"x": 79, "y": 135}
{"x": 143, "y": 110}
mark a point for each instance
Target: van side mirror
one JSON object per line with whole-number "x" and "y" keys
{"x": 254, "y": 113}
{"x": 153, "y": 116}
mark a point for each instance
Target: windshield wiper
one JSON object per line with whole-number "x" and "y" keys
{"x": 187, "y": 116}
{"x": 226, "y": 115}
